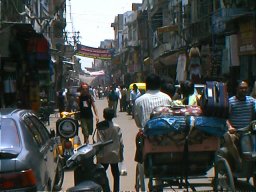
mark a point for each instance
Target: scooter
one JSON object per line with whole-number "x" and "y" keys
{"x": 88, "y": 176}
{"x": 67, "y": 134}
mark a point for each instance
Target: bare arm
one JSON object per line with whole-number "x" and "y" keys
{"x": 95, "y": 112}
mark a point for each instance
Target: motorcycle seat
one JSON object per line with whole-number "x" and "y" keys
{"x": 85, "y": 186}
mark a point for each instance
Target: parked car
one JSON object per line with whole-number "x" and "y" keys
{"x": 29, "y": 159}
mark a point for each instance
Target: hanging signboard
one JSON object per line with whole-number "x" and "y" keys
{"x": 96, "y": 53}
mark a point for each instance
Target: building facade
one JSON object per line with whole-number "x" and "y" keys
{"x": 194, "y": 40}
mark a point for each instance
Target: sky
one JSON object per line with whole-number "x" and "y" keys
{"x": 93, "y": 18}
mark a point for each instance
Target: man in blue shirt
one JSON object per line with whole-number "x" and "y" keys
{"x": 242, "y": 110}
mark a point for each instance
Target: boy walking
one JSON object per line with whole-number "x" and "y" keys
{"x": 112, "y": 154}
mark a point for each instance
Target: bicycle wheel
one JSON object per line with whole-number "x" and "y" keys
{"x": 223, "y": 180}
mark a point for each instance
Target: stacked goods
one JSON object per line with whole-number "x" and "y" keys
{"x": 179, "y": 110}
{"x": 174, "y": 143}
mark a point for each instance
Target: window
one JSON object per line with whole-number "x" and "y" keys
{"x": 34, "y": 131}
{"x": 41, "y": 129}
{"x": 9, "y": 136}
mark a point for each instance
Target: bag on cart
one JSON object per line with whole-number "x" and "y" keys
{"x": 214, "y": 101}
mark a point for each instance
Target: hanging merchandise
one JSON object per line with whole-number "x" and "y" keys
{"x": 181, "y": 73}
{"x": 10, "y": 84}
{"x": 194, "y": 65}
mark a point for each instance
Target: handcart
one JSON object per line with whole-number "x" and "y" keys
{"x": 172, "y": 158}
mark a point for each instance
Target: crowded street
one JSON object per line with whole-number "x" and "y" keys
{"x": 129, "y": 130}
{"x": 128, "y": 95}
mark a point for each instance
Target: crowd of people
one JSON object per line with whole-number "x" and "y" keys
{"x": 242, "y": 110}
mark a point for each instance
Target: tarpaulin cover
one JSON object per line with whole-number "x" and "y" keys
{"x": 211, "y": 125}
{"x": 165, "y": 124}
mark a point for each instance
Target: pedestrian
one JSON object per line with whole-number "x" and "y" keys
{"x": 71, "y": 101}
{"x": 113, "y": 97}
{"x": 134, "y": 94}
{"x": 168, "y": 88}
{"x": 61, "y": 101}
{"x": 123, "y": 103}
{"x": 118, "y": 91}
{"x": 153, "y": 97}
{"x": 86, "y": 102}
{"x": 242, "y": 110}
{"x": 112, "y": 154}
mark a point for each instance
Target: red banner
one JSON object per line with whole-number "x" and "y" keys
{"x": 96, "y": 53}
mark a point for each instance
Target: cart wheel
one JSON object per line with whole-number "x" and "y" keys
{"x": 223, "y": 180}
{"x": 140, "y": 178}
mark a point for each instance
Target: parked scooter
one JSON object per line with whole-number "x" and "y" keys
{"x": 67, "y": 132}
{"x": 88, "y": 176}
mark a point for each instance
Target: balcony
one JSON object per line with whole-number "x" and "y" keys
{"x": 224, "y": 15}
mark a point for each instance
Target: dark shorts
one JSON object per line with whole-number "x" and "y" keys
{"x": 87, "y": 126}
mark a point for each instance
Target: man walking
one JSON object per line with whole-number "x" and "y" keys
{"x": 86, "y": 102}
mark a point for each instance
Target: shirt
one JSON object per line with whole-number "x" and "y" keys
{"x": 85, "y": 105}
{"x": 145, "y": 104}
{"x": 134, "y": 95}
{"x": 111, "y": 153}
{"x": 241, "y": 113}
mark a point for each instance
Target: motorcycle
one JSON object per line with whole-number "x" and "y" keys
{"x": 88, "y": 176}
{"x": 67, "y": 134}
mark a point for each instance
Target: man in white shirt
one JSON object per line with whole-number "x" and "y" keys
{"x": 153, "y": 97}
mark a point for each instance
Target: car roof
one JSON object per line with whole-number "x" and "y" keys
{"x": 11, "y": 111}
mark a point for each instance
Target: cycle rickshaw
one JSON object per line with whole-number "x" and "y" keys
{"x": 227, "y": 176}
{"x": 173, "y": 149}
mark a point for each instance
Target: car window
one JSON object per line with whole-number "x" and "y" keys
{"x": 34, "y": 131}
{"x": 9, "y": 136}
{"x": 41, "y": 128}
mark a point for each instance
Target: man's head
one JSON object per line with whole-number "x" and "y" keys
{"x": 108, "y": 114}
{"x": 84, "y": 88}
{"x": 153, "y": 82}
{"x": 242, "y": 90}
{"x": 134, "y": 86}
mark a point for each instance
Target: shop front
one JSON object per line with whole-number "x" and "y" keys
{"x": 25, "y": 67}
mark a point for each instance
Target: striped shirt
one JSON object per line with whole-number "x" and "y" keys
{"x": 241, "y": 113}
{"x": 145, "y": 104}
